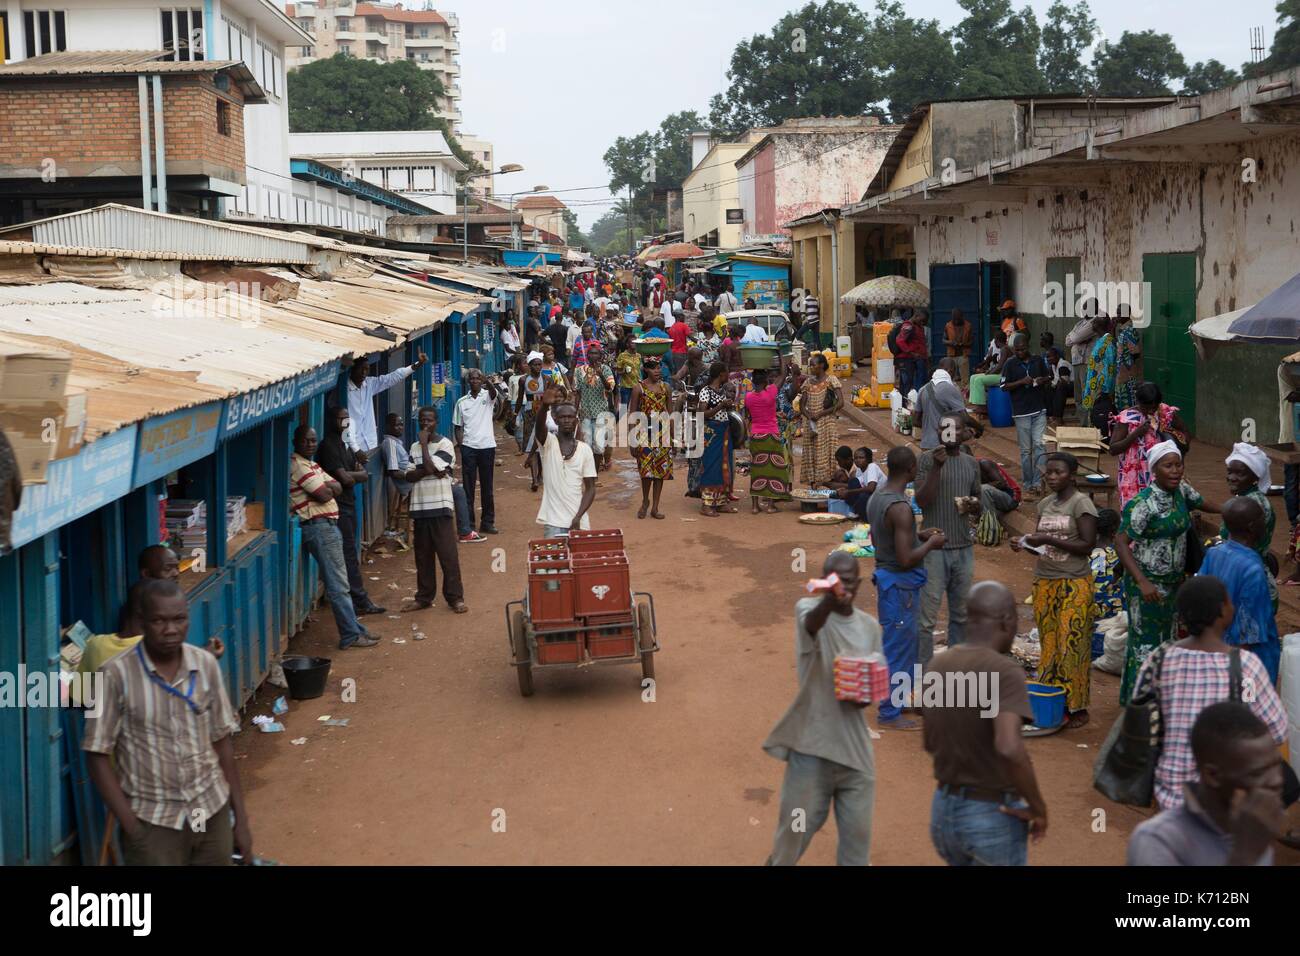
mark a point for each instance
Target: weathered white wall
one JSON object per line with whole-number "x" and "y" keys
{"x": 815, "y": 171}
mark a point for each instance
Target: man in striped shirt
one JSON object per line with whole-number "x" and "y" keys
{"x": 312, "y": 495}
{"x": 165, "y": 718}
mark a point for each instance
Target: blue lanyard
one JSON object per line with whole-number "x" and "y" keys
{"x": 188, "y": 696}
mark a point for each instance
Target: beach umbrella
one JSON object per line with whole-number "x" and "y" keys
{"x": 888, "y": 292}
{"x": 1275, "y": 320}
{"x": 1210, "y": 335}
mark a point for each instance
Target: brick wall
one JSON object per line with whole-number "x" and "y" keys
{"x": 91, "y": 126}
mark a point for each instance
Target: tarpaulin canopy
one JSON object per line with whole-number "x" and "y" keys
{"x": 1275, "y": 320}
{"x": 674, "y": 250}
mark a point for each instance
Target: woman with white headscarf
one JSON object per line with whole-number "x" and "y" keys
{"x": 1248, "y": 476}
{"x": 1152, "y": 547}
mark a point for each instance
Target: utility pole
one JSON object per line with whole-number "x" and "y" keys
{"x": 631, "y": 242}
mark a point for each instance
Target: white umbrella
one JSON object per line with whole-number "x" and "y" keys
{"x": 1210, "y": 335}
{"x": 888, "y": 292}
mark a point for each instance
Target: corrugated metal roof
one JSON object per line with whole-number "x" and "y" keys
{"x": 109, "y": 62}
{"x": 470, "y": 277}
{"x": 22, "y": 247}
{"x": 112, "y": 228}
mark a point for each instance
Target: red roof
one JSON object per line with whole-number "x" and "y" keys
{"x": 540, "y": 202}
{"x": 397, "y": 14}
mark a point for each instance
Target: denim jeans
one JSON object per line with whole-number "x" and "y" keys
{"x": 898, "y": 594}
{"x": 460, "y": 502}
{"x": 1033, "y": 453}
{"x": 970, "y": 832}
{"x": 477, "y": 465}
{"x": 322, "y": 540}
{"x": 948, "y": 571}
{"x": 810, "y": 786}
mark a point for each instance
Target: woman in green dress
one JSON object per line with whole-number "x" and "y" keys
{"x": 1152, "y": 547}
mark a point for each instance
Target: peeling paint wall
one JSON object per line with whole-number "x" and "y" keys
{"x": 1245, "y": 236}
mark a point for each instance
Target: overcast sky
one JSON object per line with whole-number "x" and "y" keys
{"x": 552, "y": 84}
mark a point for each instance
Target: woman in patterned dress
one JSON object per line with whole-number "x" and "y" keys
{"x": 1248, "y": 476}
{"x": 1108, "y": 599}
{"x": 716, "y": 464}
{"x": 1135, "y": 431}
{"x": 1099, "y": 383}
{"x": 769, "y": 467}
{"x": 1128, "y": 360}
{"x": 654, "y": 460}
{"x": 1152, "y": 547}
{"x": 819, "y": 403}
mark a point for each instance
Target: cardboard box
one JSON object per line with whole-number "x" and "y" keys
{"x": 32, "y": 373}
{"x": 72, "y": 431}
{"x": 34, "y": 428}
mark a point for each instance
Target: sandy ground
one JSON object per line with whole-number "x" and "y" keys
{"x": 441, "y": 746}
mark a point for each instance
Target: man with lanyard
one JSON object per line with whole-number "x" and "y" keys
{"x": 362, "y": 389}
{"x": 471, "y": 421}
{"x": 341, "y": 463}
{"x": 568, "y": 468}
{"x": 312, "y": 495}
{"x": 1024, "y": 376}
{"x": 164, "y": 715}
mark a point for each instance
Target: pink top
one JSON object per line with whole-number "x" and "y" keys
{"x": 762, "y": 411}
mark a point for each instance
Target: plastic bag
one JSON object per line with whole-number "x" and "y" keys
{"x": 1114, "y": 632}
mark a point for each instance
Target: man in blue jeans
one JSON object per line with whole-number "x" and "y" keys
{"x": 1023, "y": 378}
{"x": 987, "y": 804}
{"x": 312, "y": 495}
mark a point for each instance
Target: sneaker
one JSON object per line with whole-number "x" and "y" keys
{"x": 472, "y": 538}
{"x": 365, "y": 640}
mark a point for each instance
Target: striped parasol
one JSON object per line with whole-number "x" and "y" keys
{"x": 889, "y": 291}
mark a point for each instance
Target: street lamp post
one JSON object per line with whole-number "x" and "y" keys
{"x": 516, "y": 241}
{"x": 507, "y": 168}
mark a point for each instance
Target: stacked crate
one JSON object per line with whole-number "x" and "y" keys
{"x": 581, "y": 585}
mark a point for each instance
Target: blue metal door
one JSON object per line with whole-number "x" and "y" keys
{"x": 954, "y": 287}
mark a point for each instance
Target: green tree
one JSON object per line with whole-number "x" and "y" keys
{"x": 1068, "y": 33}
{"x": 1210, "y": 75}
{"x": 346, "y": 94}
{"x": 630, "y": 161}
{"x": 997, "y": 49}
{"x": 653, "y": 159}
{"x": 1140, "y": 64}
{"x": 818, "y": 61}
{"x": 1285, "y": 52}
{"x": 923, "y": 65}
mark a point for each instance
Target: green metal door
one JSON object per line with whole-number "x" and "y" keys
{"x": 1168, "y": 356}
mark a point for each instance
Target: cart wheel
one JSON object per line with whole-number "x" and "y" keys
{"x": 645, "y": 631}
{"x": 519, "y": 641}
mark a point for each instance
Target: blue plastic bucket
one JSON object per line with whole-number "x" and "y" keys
{"x": 1048, "y": 702}
{"x": 999, "y": 408}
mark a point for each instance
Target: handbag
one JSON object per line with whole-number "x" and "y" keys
{"x": 1125, "y": 770}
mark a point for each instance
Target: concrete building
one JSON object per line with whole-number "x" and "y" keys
{"x": 545, "y": 213}
{"x": 712, "y": 216}
{"x": 483, "y": 153}
{"x": 1182, "y": 210}
{"x": 416, "y": 164}
{"x": 384, "y": 32}
{"x": 805, "y": 165}
{"x": 255, "y": 33}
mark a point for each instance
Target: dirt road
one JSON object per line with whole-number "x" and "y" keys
{"x": 440, "y": 744}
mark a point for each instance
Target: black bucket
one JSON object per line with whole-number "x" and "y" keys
{"x": 306, "y": 676}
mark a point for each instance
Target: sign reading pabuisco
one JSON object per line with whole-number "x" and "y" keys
{"x": 253, "y": 408}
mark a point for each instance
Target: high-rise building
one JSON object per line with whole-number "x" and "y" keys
{"x": 480, "y": 150}
{"x": 384, "y": 32}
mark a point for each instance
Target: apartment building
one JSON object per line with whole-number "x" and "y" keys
{"x": 483, "y": 152}
{"x": 383, "y": 32}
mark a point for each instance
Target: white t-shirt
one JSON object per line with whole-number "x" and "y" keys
{"x": 475, "y": 416}
{"x": 562, "y": 483}
{"x": 873, "y": 473}
{"x": 754, "y": 334}
{"x": 666, "y": 310}
{"x": 700, "y": 299}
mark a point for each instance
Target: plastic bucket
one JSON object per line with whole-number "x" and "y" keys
{"x": 999, "y": 408}
{"x": 756, "y": 357}
{"x": 306, "y": 676}
{"x": 1048, "y": 702}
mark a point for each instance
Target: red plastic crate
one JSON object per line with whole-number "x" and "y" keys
{"x": 550, "y": 598}
{"x": 618, "y": 640}
{"x": 596, "y": 542}
{"x": 602, "y": 585}
{"x": 544, "y": 547}
{"x": 559, "y": 648}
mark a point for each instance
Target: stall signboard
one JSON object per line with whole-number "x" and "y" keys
{"x": 173, "y": 441}
{"x": 97, "y": 475}
{"x": 252, "y": 408}
{"x": 735, "y": 217}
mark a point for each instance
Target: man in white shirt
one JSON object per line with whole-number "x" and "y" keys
{"x": 568, "y": 469}
{"x": 700, "y": 299}
{"x": 754, "y": 334}
{"x": 362, "y": 389}
{"x": 666, "y": 311}
{"x": 472, "y": 419}
{"x": 726, "y": 301}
